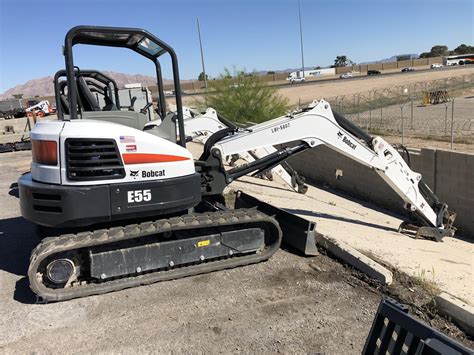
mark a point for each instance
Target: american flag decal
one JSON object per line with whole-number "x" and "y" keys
{"x": 127, "y": 139}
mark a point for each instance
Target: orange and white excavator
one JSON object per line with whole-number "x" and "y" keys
{"x": 40, "y": 109}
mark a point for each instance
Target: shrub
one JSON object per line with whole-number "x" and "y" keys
{"x": 244, "y": 98}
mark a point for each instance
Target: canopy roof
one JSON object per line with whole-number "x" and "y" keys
{"x": 135, "y": 39}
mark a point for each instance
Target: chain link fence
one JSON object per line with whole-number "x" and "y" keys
{"x": 439, "y": 109}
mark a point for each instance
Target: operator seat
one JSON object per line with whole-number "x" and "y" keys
{"x": 92, "y": 111}
{"x": 88, "y": 100}
{"x": 62, "y": 97}
{"x": 109, "y": 104}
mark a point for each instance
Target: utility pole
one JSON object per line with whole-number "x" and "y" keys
{"x": 301, "y": 38}
{"x": 202, "y": 54}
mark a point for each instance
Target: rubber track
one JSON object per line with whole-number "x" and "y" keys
{"x": 65, "y": 242}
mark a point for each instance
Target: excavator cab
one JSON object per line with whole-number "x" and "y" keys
{"x": 80, "y": 101}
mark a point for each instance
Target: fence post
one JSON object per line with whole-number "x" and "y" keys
{"x": 381, "y": 112}
{"x": 411, "y": 115}
{"x": 370, "y": 113}
{"x": 403, "y": 124}
{"x": 358, "y": 108}
{"x": 446, "y": 120}
{"x": 452, "y": 124}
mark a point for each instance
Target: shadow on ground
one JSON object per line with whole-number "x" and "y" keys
{"x": 17, "y": 240}
{"x": 342, "y": 194}
{"x": 339, "y": 218}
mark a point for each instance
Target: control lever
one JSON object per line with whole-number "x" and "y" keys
{"x": 145, "y": 108}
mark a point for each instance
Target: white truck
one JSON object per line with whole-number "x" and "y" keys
{"x": 299, "y": 76}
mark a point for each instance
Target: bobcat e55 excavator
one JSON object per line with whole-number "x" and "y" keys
{"x": 125, "y": 203}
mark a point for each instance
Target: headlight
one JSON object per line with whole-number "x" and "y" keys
{"x": 44, "y": 152}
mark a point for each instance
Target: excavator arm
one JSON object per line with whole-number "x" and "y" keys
{"x": 319, "y": 125}
{"x": 201, "y": 126}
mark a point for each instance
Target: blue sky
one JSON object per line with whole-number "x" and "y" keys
{"x": 250, "y": 34}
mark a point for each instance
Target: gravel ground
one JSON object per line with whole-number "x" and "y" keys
{"x": 288, "y": 304}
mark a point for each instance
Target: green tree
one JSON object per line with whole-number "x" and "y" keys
{"x": 436, "y": 51}
{"x": 439, "y": 50}
{"x": 341, "y": 61}
{"x": 403, "y": 57}
{"x": 464, "y": 49}
{"x": 17, "y": 96}
{"x": 244, "y": 98}
{"x": 201, "y": 76}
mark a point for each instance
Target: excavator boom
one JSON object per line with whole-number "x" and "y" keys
{"x": 319, "y": 125}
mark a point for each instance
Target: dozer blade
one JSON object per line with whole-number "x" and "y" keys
{"x": 298, "y": 232}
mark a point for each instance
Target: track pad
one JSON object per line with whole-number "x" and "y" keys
{"x": 168, "y": 254}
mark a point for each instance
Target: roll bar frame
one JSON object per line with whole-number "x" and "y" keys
{"x": 130, "y": 38}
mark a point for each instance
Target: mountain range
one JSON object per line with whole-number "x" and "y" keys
{"x": 44, "y": 86}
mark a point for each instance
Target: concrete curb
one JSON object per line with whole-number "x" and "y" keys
{"x": 355, "y": 259}
{"x": 460, "y": 312}
{"x": 12, "y": 137}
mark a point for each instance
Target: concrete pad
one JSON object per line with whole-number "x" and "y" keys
{"x": 460, "y": 312}
{"x": 374, "y": 231}
{"x": 356, "y": 259}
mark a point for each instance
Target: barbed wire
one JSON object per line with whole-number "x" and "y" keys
{"x": 426, "y": 109}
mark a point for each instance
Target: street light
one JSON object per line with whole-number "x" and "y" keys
{"x": 301, "y": 38}
{"x": 202, "y": 54}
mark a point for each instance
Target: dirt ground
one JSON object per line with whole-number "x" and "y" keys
{"x": 307, "y": 93}
{"x": 288, "y": 304}
{"x": 431, "y": 118}
{"x": 419, "y": 142}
